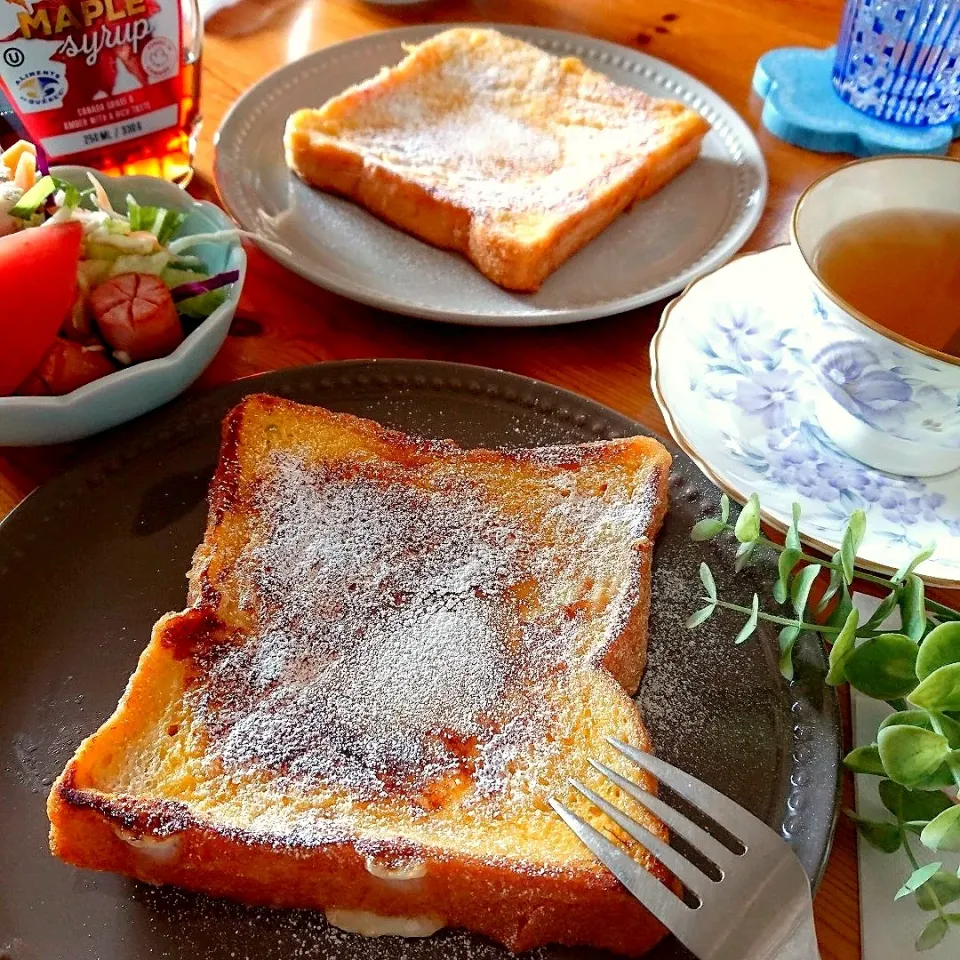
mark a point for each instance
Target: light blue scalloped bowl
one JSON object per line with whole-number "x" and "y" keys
{"x": 121, "y": 396}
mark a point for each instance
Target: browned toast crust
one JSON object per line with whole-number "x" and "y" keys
{"x": 521, "y": 910}
{"x": 354, "y": 147}
{"x": 156, "y": 838}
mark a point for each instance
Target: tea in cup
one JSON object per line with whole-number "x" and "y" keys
{"x": 880, "y": 243}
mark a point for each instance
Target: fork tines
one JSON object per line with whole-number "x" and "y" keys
{"x": 646, "y": 888}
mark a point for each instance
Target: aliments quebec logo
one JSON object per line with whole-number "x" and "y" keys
{"x": 40, "y": 88}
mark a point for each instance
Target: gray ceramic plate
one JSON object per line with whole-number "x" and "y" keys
{"x": 89, "y": 562}
{"x": 694, "y": 224}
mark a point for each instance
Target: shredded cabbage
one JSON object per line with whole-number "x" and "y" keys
{"x": 91, "y": 273}
{"x": 156, "y": 263}
{"x": 199, "y": 308}
{"x": 175, "y": 275}
{"x": 141, "y": 243}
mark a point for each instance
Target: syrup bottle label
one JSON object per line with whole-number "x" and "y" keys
{"x": 87, "y": 74}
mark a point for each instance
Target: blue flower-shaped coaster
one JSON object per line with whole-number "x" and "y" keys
{"x": 802, "y": 107}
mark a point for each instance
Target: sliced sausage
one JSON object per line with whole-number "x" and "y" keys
{"x": 137, "y": 316}
{"x": 65, "y": 367}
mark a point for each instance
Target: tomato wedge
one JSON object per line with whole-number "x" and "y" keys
{"x": 38, "y": 286}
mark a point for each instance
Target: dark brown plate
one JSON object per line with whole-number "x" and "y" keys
{"x": 89, "y": 562}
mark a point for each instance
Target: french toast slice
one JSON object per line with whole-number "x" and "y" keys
{"x": 395, "y": 652}
{"x": 484, "y": 144}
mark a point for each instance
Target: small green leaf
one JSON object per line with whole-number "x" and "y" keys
{"x": 865, "y": 760}
{"x": 940, "y": 690}
{"x": 800, "y": 588}
{"x": 701, "y": 616}
{"x": 940, "y": 647}
{"x": 945, "y": 886}
{"x": 724, "y": 508}
{"x": 786, "y": 640}
{"x": 910, "y": 718}
{"x": 884, "y": 836}
{"x": 943, "y": 831}
{"x": 923, "y": 805}
{"x": 917, "y": 879}
{"x": 836, "y": 580}
{"x": 883, "y": 666}
{"x": 852, "y": 538}
{"x": 744, "y": 552}
{"x": 940, "y": 779}
{"x": 788, "y": 558}
{"x": 949, "y": 727}
{"x": 793, "y": 531}
{"x": 925, "y": 554}
{"x": 891, "y": 796}
{"x": 706, "y": 529}
{"x": 910, "y": 754}
{"x": 706, "y": 578}
{"x": 842, "y": 610}
{"x": 932, "y": 934}
{"x": 912, "y": 806}
{"x": 913, "y": 614}
{"x": 883, "y": 610}
{"x": 751, "y": 623}
{"x": 748, "y": 523}
{"x": 843, "y": 648}
{"x": 785, "y": 564}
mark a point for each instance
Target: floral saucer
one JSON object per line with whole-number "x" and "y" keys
{"x": 730, "y": 377}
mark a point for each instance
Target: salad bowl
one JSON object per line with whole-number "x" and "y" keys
{"x": 137, "y": 389}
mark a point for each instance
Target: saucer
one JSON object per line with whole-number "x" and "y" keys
{"x": 730, "y": 379}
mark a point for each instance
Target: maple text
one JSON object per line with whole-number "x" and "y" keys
{"x": 39, "y": 23}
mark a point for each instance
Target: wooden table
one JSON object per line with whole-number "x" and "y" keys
{"x": 285, "y": 321}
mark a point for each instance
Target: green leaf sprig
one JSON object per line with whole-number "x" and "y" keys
{"x": 916, "y": 670}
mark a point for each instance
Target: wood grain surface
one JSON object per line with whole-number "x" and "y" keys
{"x": 285, "y": 321}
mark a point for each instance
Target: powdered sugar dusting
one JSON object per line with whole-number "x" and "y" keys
{"x": 402, "y": 647}
{"x": 498, "y": 125}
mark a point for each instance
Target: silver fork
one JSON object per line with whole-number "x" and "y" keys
{"x": 759, "y": 909}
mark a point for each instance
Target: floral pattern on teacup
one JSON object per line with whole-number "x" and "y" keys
{"x": 884, "y": 385}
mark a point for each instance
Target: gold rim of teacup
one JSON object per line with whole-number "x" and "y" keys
{"x": 835, "y": 298}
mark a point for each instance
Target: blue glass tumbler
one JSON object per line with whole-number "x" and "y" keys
{"x": 899, "y": 60}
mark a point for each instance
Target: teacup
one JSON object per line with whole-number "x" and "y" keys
{"x": 883, "y": 399}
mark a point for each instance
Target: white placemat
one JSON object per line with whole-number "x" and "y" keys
{"x": 888, "y": 929}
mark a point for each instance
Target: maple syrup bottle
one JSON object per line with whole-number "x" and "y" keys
{"x": 117, "y": 89}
